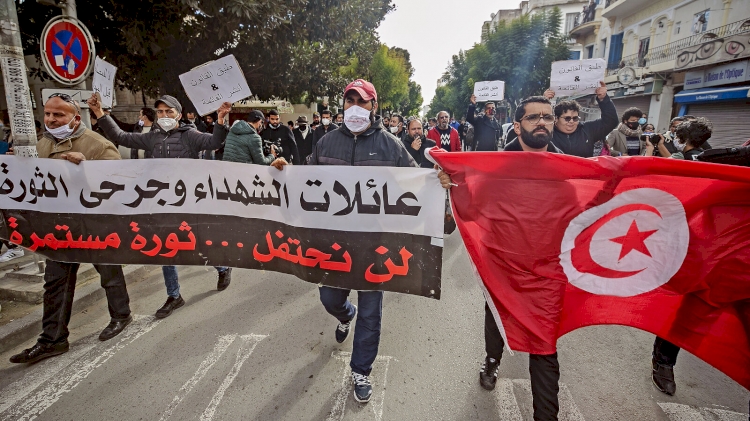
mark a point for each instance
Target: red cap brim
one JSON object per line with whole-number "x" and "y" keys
{"x": 361, "y": 91}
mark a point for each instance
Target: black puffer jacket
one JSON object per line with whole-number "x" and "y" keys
{"x": 183, "y": 142}
{"x": 486, "y": 130}
{"x": 375, "y": 147}
{"x": 581, "y": 142}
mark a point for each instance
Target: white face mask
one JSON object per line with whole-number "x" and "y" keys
{"x": 394, "y": 129}
{"x": 167, "y": 123}
{"x": 678, "y": 145}
{"x": 140, "y": 123}
{"x": 356, "y": 118}
{"x": 63, "y": 131}
{"x": 326, "y": 121}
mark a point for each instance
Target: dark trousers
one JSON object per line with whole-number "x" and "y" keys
{"x": 544, "y": 371}
{"x": 59, "y": 287}
{"x": 665, "y": 352}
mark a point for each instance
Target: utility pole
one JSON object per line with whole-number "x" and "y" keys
{"x": 16, "y": 83}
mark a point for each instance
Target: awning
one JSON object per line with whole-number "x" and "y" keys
{"x": 712, "y": 94}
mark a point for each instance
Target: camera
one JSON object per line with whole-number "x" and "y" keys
{"x": 267, "y": 146}
{"x": 649, "y": 136}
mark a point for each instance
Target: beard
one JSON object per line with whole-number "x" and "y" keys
{"x": 536, "y": 140}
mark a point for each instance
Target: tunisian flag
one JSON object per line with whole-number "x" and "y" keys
{"x": 562, "y": 242}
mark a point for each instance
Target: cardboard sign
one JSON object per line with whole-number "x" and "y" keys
{"x": 215, "y": 82}
{"x": 577, "y": 77}
{"x": 104, "y": 81}
{"x": 489, "y": 90}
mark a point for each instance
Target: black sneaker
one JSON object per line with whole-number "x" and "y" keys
{"x": 342, "y": 330}
{"x": 169, "y": 306}
{"x": 224, "y": 279}
{"x": 39, "y": 352}
{"x": 663, "y": 378}
{"x": 114, "y": 328}
{"x": 362, "y": 387}
{"x": 488, "y": 374}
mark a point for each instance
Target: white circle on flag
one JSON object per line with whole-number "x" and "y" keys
{"x": 632, "y": 244}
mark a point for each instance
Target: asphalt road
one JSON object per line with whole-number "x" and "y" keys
{"x": 264, "y": 350}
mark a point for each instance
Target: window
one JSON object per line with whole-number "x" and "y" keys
{"x": 700, "y": 22}
{"x": 677, "y": 27}
{"x": 570, "y": 21}
{"x": 590, "y": 51}
{"x": 575, "y": 55}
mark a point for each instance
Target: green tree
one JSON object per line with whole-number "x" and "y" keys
{"x": 520, "y": 53}
{"x": 390, "y": 71}
{"x": 286, "y": 48}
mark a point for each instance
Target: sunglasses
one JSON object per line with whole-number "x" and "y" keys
{"x": 66, "y": 98}
{"x": 568, "y": 119}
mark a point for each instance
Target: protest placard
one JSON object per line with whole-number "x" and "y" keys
{"x": 374, "y": 228}
{"x": 104, "y": 81}
{"x": 577, "y": 77}
{"x": 215, "y": 82}
{"x": 493, "y": 90}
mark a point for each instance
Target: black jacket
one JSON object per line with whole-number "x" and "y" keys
{"x": 375, "y": 147}
{"x": 304, "y": 143}
{"x": 486, "y": 130}
{"x": 199, "y": 124}
{"x": 581, "y": 142}
{"x": 182, "y": 142}
{"x": 321, "y": 131}
{"x": 283, "y": 136}
{"x": 419, "y": 156}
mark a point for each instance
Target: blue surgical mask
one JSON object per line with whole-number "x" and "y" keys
{"x": 642, "y": 121}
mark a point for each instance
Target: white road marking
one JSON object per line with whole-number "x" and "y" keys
{"x": 39, "y": 374}
{"x": 680, "y": 412}
{"x": 249, "y": 342}
{"x": 568, "y": 408}
{"x": 507, "y": 405}
{"x": 378, "y": 377}
{"x": 72, "y": 375}
{"x": 221, "y": 346}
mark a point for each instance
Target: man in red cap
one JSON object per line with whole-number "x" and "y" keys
{"x": 360, "y": 141}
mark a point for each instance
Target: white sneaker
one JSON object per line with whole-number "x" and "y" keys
{"x": 11, "y": 254}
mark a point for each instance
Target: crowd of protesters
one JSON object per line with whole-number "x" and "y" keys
{"x": 263, "y": 139}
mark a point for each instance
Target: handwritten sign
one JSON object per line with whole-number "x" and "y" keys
{"x": 577, "y": 77}
{"x": 489, "y": 90}
{"x": 104, "y": 81}
{"x": 215, "y": 82}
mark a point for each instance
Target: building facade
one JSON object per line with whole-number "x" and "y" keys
{"x": 676, "y": 57}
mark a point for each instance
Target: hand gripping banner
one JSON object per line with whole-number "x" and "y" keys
{"x": 363, "y": 228}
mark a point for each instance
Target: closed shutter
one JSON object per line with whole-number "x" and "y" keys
{"x": 729, "y": 120}
{"x": 642, "y": 102}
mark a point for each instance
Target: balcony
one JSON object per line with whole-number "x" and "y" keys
{"x": 613, "y": 8}
{"x": 664, "y": 56}
{"x": 584, "y": 24}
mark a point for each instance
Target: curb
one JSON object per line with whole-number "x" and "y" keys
{"x": 29, "y": 326}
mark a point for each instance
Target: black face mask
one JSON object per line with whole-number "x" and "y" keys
{"x": 633, "y": 126}
{"x": 303, "y": 127}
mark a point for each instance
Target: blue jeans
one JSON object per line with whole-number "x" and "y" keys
{"x": 367, "y": 330}
{"x": 171, "y": 282}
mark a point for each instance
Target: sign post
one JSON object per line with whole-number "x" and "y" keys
{"x": 15, "y": 82}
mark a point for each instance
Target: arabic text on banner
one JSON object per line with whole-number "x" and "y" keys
{"x": 489, "y": 90}
{"x": 364, "y": 229}
{"x": 104, "y": 81}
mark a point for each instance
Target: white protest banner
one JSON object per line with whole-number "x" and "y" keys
{"x": 363, "y": 228}
{"x": 489, "y": 90}
{"x": 215, "y": 82}
{"x": 104, "y": 81}
{"x": 577, "y": 77}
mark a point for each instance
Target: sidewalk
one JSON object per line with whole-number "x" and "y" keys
{"x": 20, "y": 281}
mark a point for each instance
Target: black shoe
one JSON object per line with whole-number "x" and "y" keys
{"x": 169, "y": 306}
{"x": 114, "y": 328}
{"x": 663, "y": 378}
{"x": 39, "y": 352}
{"x": 343, "y": 328}
{"x": 488, "y": 374}
{"x": 224, "y": 279}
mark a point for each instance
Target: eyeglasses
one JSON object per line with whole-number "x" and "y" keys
{"x": 66, "y": 98}
{"x": 568, "y": 119}
{"x": 535, "y": 118}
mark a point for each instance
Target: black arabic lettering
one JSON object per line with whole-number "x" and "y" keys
{"x": 102, "y": 196}
{"x": 180, "y": 191}
{"x": 156, "y": 185}
{"x": 315, "y": 206}
{"x": 400, "y": 208}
